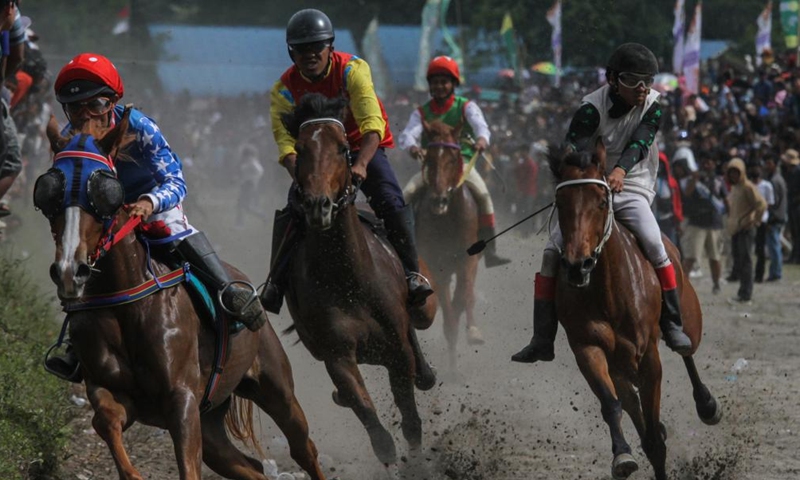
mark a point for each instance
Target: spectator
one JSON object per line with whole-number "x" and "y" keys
{"x": 766, "y": 191}
{"x": 12, "y": 42}
{"x": 777, "y": 218}
{"x": 667, "y": 204}
{"x": 791, "y": 160}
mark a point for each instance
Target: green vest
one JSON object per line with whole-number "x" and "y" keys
{"x": 452, "y": 117}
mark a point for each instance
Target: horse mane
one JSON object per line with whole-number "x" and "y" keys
{"x": 311, "y": 106}
{"x": 559, "y": 156}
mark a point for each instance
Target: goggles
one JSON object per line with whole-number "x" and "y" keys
{"x": 634, "y": 80}
{"x": 96, "y": 107}
{"x": 314, "y": 47}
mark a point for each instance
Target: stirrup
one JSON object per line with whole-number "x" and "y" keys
{"x": 224, "y": 289}
{"x": 74, "y": 376}
{"x": 418, "y": 275}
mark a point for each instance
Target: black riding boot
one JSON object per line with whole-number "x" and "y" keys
{"x": 490, "y": 257}
{"x": 238, "y": 297}
{"x": 272, "y": 296}
{"x": 400, "y": 230}
{"x": 545, "y": 328}
{"x": 65, "y": 366}
{"x": 671, "y": 325}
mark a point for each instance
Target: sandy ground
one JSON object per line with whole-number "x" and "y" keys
{"x": 507, "y": 421}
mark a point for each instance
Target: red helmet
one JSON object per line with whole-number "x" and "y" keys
{"x": 443, "y": 65}
{"x": 86, "y": 76}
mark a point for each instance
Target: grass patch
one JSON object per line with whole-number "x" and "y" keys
{"x": 33, "y": 404}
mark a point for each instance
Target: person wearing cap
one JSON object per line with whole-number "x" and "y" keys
{"x": 318, "y": 68}
{"x": 625, "y": 114}
{"x": 12, "y": 47}
{"x": 456, "y": 111}
{"x": 88, "y": 89}
{"x": 791, "y": 162}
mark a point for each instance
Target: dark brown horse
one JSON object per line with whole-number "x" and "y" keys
{"x": 150, "y": 361}
{"x": 447, "y": 224}
{"x": 346, "y": 290}
{"x": 610, "y": 303}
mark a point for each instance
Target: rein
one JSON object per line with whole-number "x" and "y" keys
{"x": 109, "y": 239}
{"x": 609, "y": 225}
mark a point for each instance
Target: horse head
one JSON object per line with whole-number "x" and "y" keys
{"x": 583, "y": 202}
{"x": 80, "y": 195}
{"x": 323, "y": 158}
{"x": 442, "y": 166}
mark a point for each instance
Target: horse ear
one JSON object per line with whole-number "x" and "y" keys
{"x": 600, "y": 155}
{"x": 113, "y": 140}
{"x": 457, "y": 130}
{"x": 426, "y": 126}
{"x": 57, "y": 142}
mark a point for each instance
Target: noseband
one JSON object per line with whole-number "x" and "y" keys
{"x": 609, "y": 216}
{"x": 351, "y": 191}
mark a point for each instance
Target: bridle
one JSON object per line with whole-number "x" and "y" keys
{"x": 351, "y": 190}
{"x": 609, "y": 225}
{"x": 450, "y": 145}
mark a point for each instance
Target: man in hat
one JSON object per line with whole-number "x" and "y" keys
{"x": 791, "y": 162}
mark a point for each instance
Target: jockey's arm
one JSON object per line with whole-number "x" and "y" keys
{"x": 411, "y": 136}
{"x": 642, "y": 138}
{"x": 281, "y": 102}
{"x": 583, "y": 126}
{"x": 477, "y": 121}
{"x": 164, "y": 165}
{"x": 367, "y": 113}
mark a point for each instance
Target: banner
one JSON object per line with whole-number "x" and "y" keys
{"x": 430, "y": 20}
{"x": 123, "y": 21}
{"x": 789, "y": 10}
{"x": 554, "y": 19}
{"x": 764, "y": 35}
{"x": 455, "y": 50}
{"x": 691, "y": 53}
{"x": 371, "y": 48}
{"x": 509, "y": 40}
{"x": 678, "y": 29}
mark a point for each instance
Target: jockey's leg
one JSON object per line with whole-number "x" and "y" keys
{"x": 545, "y": 324}
{"x": 413, "y": 187}
{"x": 486, "y": 220}
{"x": 633, "y": 210}
{"x": 386, "y": 199}
{"x": 283, "y": 239}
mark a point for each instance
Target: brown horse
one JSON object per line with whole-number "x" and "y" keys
{"x": 609, "y": 304}
{"x": 149, "y": 361}
{"x": 447, "y": 223}
{"x": 346, "y": 290}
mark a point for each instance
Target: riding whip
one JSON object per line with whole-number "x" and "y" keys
{"x": 478, "y": 246}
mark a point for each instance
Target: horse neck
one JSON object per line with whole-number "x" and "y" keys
{"x": 340, "y": 244}
{"x": 123, "y": 267}
{"x": 609, "y": 260}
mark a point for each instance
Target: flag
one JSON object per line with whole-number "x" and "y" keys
{"x": 455, "y": 50}
{"x": 691, "y": 53}
{"x": 764, "y": 35}
{"x": 123, "y": 21}
{"x": 789, "y": 10}
{"x": 554, "y": 19}
{"x": 430, "y": 20}
{"x": 677, "y": 37}
{"x": 371, "y": 48}
{"x": 507, "y": 34}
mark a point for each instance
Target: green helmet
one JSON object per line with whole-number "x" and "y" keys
{"x": 634, "y": 58}
{"x": 309, "y": 26}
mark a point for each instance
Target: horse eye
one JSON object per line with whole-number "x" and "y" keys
{"x": 604, "y": 205}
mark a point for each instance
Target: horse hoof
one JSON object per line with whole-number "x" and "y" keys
{"x": 426, "y": 380}
{"x": 623, "y": 466}
{"x": 383, "y": 446}
{"x": 336, "y": 399}
{"x": 712, "y": 419}
{"x": 474, "y": 336}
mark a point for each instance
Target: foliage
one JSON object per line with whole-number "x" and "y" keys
{"x": 33, "y": 405}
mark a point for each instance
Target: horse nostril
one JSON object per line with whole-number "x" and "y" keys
{"x": 588, "y": 264}
{"x": 83, "y": 272}
{"x": 326, "y": 203}
{"x": 55, "y": 273}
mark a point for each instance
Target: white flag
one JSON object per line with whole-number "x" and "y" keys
{"x": 691, "y": 53}
{"x": 430, "y": 21}
{"x": 763, "y": 37}
{"x": 554, "y": 19}
{"x": 678, "y": 29}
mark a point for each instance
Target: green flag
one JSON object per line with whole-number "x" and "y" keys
{"x": 510, "y": 40}
{"x": 789, "y": 10}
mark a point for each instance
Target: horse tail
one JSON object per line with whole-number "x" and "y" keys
{"x": 239, "y": 423}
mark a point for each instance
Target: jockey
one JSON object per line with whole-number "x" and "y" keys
{"x": 88, "y": 88}
{"x": 625, "y": 114}
{"x": 443, "y": 77}
{"x": 318, "y": 68}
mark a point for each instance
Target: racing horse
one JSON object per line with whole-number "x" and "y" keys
{"x": 346, "y": 290}
{"x": 447, "y": 223}
{"x": 149, "y": 360}
{"x": 608, "y": 299}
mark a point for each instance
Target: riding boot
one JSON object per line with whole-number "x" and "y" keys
{"x": 490, "y": 257}
{"x": 238, "y": 297}
{"x": 545, "y": 325}
{"x": 272, "y": 296}
{"x": 671, "y": 325}
{"x": 65, "y": 366}
{"x": 400, "y": 232}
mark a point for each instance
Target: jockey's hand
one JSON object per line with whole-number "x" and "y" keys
{"x": 142, "y": 208}
{"x": 359, "y": 172}
{"x": 615, "y": 179}
{"x": 415, "y": 152}
{"x": 481, "y": 144}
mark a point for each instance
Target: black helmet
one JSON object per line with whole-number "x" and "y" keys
{"x": 309, "y": 26}
{"x": 634, "y": 58}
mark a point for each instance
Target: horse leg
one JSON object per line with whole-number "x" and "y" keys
{"x": 450, "y": 325}
{"x": 465, "y": 290}
{"x": 183, "y": 423}
{"x": 593, "y": 364}
{"x": 654, "y": 442}
{"x": 425, "y": 378}
{"x": 401, "y": 374}
{"x": 351, "y": 392}
{"x": 631, "y": 404}
{"x": 113, "y": 414}
{"x": 219, "y": 453}
{"x": 708, "y": 409}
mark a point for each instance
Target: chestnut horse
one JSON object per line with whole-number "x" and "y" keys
{"x": 150, "y": 360}
{"x": 610, "y": 303}
{"x": 346, "y": 290}
{"x": 447, "y": 224}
